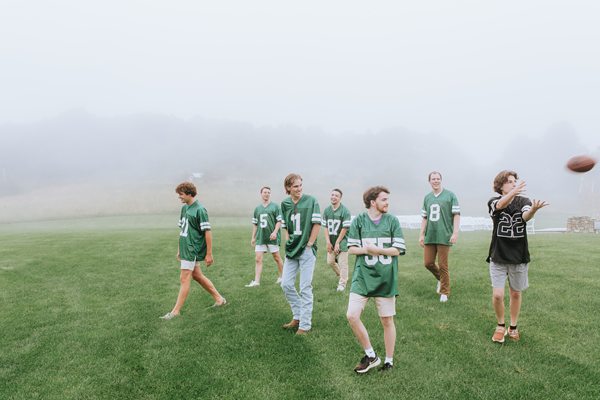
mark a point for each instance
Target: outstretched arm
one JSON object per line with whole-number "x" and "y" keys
{"x": 507, "y": 198}
{"x": 535, "y": 206}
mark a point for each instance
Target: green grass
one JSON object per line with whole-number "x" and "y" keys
{"x": 80, "y": 301}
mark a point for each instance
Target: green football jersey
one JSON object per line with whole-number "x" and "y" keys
{"x": 376, "y": 276}
{"x": 439, "y": 211}
{"x": 298, "y": 219}
{"x": 334, "y": 221}
{"x": 193, "y": 223}
{"x": 265, "y": 219}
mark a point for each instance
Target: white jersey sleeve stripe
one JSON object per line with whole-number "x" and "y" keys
{"x": 353, "y": 242}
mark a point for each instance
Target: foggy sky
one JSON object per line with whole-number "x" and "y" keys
{"x": 143, "y": 93}
{"x": 462, "y": 69}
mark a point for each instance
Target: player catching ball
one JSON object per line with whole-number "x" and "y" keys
{"x": 509, "y": 251}
{"x": 195, "y": 244}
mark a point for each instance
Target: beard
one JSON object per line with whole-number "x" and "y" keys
{"x": 381, "y": 209}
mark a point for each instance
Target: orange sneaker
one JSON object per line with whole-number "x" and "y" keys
{"x": 514, "y": 335}
{"x": 499, "y": 334}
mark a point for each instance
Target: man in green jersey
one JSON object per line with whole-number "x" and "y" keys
{"x": 301, "y": 218}
{"x": 195, "y": 244}
{"x": 439, "y": 231}
{"x": 336, "y": 220}
{"x": 375, "y": 237}
{"x": 266, "y": 222}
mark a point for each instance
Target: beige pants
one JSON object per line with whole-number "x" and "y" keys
{"x": 340, "y": 267}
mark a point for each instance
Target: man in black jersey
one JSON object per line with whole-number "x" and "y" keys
{"x": 509, "y": 253}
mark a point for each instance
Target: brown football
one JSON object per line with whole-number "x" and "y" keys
{"x": 581, "y": 163}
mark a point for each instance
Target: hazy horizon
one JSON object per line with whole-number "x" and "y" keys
{"x": 100, "y": 94}
{"x": 83, "y": 165}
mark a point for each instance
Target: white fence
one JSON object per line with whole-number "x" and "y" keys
{"x": 466, "y": 223}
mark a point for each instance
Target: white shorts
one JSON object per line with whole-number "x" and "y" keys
{"x": 185, "y": 264}
{"x": 386, "y": 306}
{"x": 263, "y": 248}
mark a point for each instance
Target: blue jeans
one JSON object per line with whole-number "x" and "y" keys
{"x": 301, "y": 303}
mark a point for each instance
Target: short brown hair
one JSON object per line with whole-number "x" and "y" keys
{"x": 371, "y": 194}
{"x": 434, "y": 173}
{"x": 338, "y": 190}
{"x": 186, "y": 188}
{"x": 263, "y": 188}
{"x": 502, "y": 178}
{"x": 289, "y": 181}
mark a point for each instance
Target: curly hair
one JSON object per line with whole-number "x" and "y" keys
{"x": 502, "y": 178}
{"x": 186, "y": 188}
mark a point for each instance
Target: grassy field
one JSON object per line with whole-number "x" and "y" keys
{"x": 80, "y": 301}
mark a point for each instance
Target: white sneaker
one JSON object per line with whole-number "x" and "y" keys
{"x": 216, "y": 305}
{"x": 443, "y": 298}
{"x": 252, "y": 284}
{"x": 278, "y": 280}
{"x": 340, "y": 288}
{"x": 169, "y": 316}
{"x": 438, "y": 287}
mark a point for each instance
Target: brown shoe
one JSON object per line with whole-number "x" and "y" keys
{"x": 302, "y": 332}
{"x": 293, "y": 324}
{"x": 499, "y": 334}
{"x": 513, "y": 334}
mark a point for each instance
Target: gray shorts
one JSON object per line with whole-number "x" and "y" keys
{"x": 517, "y": 275}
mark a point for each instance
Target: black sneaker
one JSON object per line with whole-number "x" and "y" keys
{"x": 386, "y": 367}
{"x": 366, "y": 363}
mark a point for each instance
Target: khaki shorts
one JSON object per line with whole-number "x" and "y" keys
{"x": 517, "y": 276}
{"x": 185, "y": 264}
{"x": 263, "y": 248}
{"x": 386, "y": 306}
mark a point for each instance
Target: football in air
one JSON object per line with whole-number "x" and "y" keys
{"x": 581, "y": 163}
